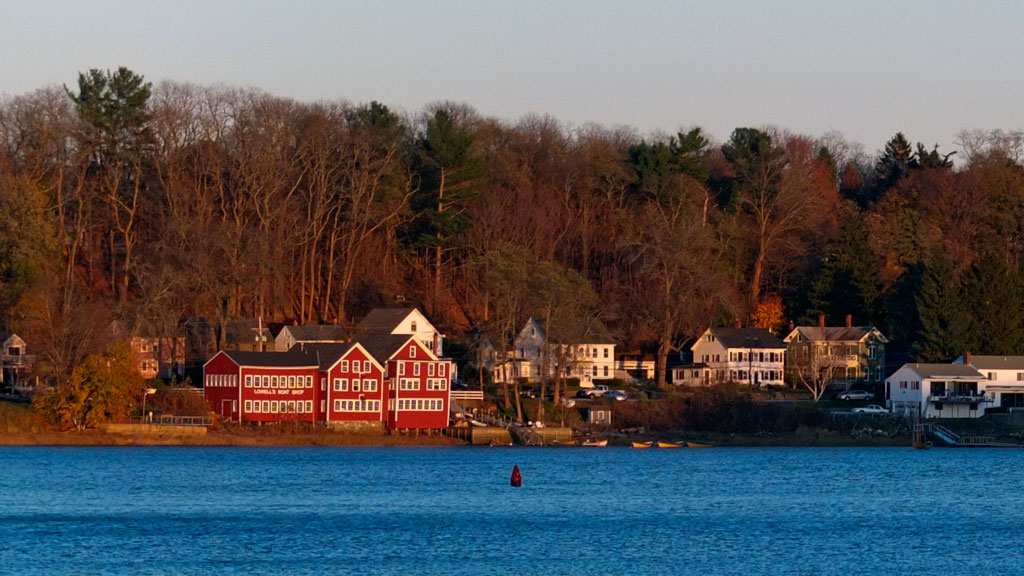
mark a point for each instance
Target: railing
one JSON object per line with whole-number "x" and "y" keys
{"x": 16, "y": 360}
{"x": 961, "y": 399}
{"x": 954, "y": 439}
{"x": 467, "y": 394}
{"x": 172, "y": 420}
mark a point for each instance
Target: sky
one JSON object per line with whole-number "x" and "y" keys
{"x": 866, "y": 69}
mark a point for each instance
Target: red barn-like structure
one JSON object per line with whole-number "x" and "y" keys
{"x": 380, "y": 379}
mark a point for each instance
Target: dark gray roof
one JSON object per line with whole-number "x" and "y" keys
{"x": 993, "y": 362}
{"x": 380, "y": 345}
{"x": 836, "y": 333}
{"x": 747, "y": 338}
{"x": 318, "y": 333}
{"x": 325, "y": 353}
{"x": 596, "y": 332}
{"x": 244, "y": 330}
{"x": 383, "y": 319}
{"x": 952, "y": 371}
{"x": 292, "y": 359}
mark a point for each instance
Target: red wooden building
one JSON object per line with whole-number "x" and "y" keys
{"x": 390, "y": 379}
{"x": 418, "y": 382}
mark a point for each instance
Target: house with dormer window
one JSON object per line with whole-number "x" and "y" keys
{"x": 590, "y": 358}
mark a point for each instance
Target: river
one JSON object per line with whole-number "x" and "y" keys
{"x": 451, "y": 511}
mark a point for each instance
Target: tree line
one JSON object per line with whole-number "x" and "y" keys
{"x": 149, "y": 204}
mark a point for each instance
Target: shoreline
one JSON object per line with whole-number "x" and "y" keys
{"x": 221, "y": 438}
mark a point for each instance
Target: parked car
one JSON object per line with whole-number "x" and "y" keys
{"x": 596, "y": 391}
{"x": 870, "y": 409}
{"x": 531, "y": 392}
{"x": 856, "y": 395}
{"x": 617, "y": 395}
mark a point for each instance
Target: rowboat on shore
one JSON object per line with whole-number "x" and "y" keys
{"x": 647, "y": 444}
{"x": 670, "y": 445}
{"x": 595, "y": 442}
{"x": 690, "y": 444}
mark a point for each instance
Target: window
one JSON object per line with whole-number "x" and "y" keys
{"x": 355, "y": 384}
{"x": 370, "y": 385}
{"x": 416, "y": 369}
{"x": 991, "y": 375}
{"x": 401, "y": 368}
{"x": 344, "y": 385}
{"x": 273, "y": 381}
{"x": 605, "y": 371}
{"x": 273, "y": 407}
{"x": 323, "y": 383}
{"x": 1020, "y": 376}
{"x": 413, "y": 326}
{"x": 309, "y": 406}
{"x": 266, "y": 406}
{"x": 266, "y": 381}
{"x": 248, "y": 405}
{"x": 440, "y": 370}
{"x": 337, "y": 384}
{"x": 430, "y": 369}
{"x": 344, "y": 365}
{"x": 595, "y": 371}
{"x": 412, "y": 351}
{"x": 366, "y": 366}
{"x": 605, "y": 352}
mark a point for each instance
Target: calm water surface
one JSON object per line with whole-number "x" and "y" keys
{"x": 450, "y": 511}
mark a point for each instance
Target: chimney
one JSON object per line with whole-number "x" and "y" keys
{"x": 968, "y": 359}
{"x": 792, "y": 326}
{"x": 821, "y": 321}
{"x": 849, "y": 320}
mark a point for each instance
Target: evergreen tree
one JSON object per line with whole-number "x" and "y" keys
{"x": 943, "y": 316}
{"x": 992, "y": 295}
{"x": 450, "y": 170}
{"x": 848, "y": 282}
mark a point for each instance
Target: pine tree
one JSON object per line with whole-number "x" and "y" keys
{"x": 992, "y": 294}
{"x": 944, "y": 320}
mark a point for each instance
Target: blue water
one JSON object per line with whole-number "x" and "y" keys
{"x": 450, "y": 511}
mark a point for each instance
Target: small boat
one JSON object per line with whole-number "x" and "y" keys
{"x": 595, "y": 442}
{"x": 690, "y": 444}
{"x": 647, "y": 444}
{"x": 561, "y": 443}
{"x": 670, "y": 445}
{"x": 496, "y": 442}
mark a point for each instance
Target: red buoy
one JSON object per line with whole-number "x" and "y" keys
{"x": 517, "y": 478}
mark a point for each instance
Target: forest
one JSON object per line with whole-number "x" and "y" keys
{"x": 148, "y": 204}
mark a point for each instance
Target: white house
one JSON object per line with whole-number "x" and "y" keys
{"x": 1004, "y": 378}
{"x": 315, "y": 334}
{"x": 752, "y": 356}
{"x": 938, "y": 391}
{"x": 590, "y": 359}
{"x": 403, "y": 321}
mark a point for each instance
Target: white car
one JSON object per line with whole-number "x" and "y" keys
{"x": 596, "y": 391}
{"x": 871, "y": 409}
{"x": 617, "y": 395}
